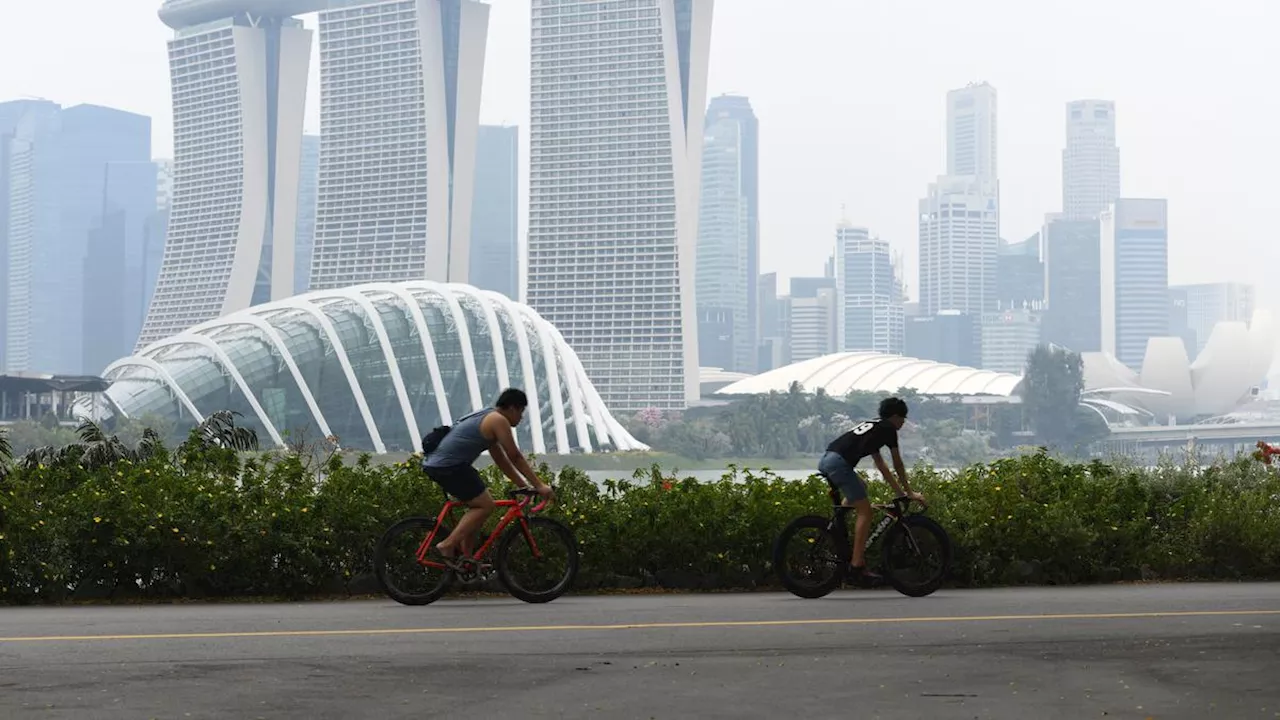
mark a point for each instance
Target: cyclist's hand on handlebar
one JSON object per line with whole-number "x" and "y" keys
{"x": 917, "y": 497}
{"x": 545, "y": 492}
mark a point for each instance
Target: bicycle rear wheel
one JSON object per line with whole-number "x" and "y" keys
{"x": 917, "y": 556}
{"x": 539, "y": 565}
{"x": 402, "y": 576}
{"x": 807, "y": 557}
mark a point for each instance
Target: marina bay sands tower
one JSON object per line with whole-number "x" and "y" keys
{"x": 239, "y": 85}
{"x": 399, "y": 115}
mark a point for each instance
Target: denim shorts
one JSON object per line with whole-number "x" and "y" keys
{"x": 846, "y": 479}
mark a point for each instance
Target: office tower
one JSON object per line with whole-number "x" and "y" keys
{"x": 56, "y": 169}
{"x": 869, "y": 293}
{"x": 971, "y": 131}
{"x": 810, "y": 316}
{"x": 1091, "y": 160}
{"x": 728, "y": 255}
{"x": 1073, "y": 289}
{"x": 495, "y": 251}
{"x": 616, "y": 147}
{"x": 398, "y": 135}
{"x": 305, "y": 228}
{"x": 239, "y": 82}
{"x": 1008, "y": 336}
{"x": 164, "y": 183}
{"x": 115, "y": 266}
{"x": 770, "y": 324}
{"x": 1019, "y": 274}
{"x": 1179, "y": 321}
{"x": 959, "y": 245}
{"x": 22, "y": 123}
{"x": 949, "y": 336}
{"x": 1134, "y": 277}
{"x": 1208, "y": 304}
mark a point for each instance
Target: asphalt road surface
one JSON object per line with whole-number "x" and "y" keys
{"x": 1157, "y": 651}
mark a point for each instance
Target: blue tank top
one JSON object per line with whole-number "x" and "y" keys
{"x": 463, "y": 444}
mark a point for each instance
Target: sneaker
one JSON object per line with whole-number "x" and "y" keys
{"x": 864, "y": 578}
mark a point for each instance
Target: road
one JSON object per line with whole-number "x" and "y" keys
{"x": 1146, "y": 651}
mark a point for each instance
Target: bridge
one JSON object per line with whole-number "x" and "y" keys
{"x": 1240, "y": 435}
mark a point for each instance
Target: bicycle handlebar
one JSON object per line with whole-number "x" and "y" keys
{"x": 528, "y": 494}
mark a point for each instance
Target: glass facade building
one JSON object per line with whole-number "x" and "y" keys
{"x": 376, "y": 365}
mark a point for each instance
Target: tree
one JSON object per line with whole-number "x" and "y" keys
{"x": 1050, "y": 392}
{"x": 95, "y": 449}
{"x": 220, "y": 430}
{"x": 6, "y": 454}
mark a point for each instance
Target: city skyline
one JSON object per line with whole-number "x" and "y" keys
{"x": 898, "y": 132}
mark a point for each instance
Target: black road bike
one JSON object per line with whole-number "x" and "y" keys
{"x": 812, "y": 553}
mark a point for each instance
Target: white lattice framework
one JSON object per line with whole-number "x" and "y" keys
{"x": 839, "y": 374}
{"x": 579, "y": 420}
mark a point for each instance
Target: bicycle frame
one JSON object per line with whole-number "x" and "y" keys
{"x": 893, "y": 513}
{"x": 514, "y": 512}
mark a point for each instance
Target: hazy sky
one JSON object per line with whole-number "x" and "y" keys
{"x": 850, "y": 95}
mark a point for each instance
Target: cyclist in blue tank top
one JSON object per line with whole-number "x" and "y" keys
{"x": 839, "y": 463}
{"x": 450, "y": 465}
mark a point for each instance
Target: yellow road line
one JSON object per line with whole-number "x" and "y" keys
{"x": 637, "y": 626}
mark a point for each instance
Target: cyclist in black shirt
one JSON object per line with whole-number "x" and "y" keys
{"x": 839, "y": 463}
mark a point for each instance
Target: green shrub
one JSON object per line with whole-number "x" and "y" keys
{"x": 204, "y": 521}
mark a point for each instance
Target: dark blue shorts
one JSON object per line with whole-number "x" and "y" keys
{"x": 461, "y": 481}
{"x": 846, "y": 479}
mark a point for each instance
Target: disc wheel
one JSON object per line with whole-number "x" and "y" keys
{"x": 395, "y": 560}
{"x": 537, "y": 559}
{"x": 917, "y": 556}
{"x": 807, "y": 557}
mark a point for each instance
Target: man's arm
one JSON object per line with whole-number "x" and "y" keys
{"x": 901, "y": 469}
{"x": 884, "y": 469}
{"x": 506, "y": 466}
{"x": 504, "y": 444}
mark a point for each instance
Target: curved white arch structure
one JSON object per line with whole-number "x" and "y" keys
{"x": 839, "y": 374}
{"x": 307, "y": 342}
{"x": 1225, "y": 376}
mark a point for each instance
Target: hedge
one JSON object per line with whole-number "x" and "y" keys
{"x": 215, "y": 523}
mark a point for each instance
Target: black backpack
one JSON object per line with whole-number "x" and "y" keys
{"x": 432, "y": 440}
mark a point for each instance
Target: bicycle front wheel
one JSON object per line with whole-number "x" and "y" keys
{"x": 917, "y": 556}
{"x": 537, "y": 559}
{"x": 403, "y": 577}
{"x": 807, "y": 557}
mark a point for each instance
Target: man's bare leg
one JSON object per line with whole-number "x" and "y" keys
{"x": 861, "y": 530}
{"x": 481, "y": 507}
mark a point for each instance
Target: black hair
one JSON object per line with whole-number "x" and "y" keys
{"x": 891, "y": 406}
{"x": 512, "y": 398}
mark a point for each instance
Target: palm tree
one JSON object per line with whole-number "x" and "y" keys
{"x": 219, "y": 430}
{"x": 6, "y": 454}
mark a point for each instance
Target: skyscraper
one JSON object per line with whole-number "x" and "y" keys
{"x": 1091, "y": 160}
{"x": 1208, "y": 304}
{"x": 239, "y": 78}
{"x": 115, "y": 265}
{"x": 1135, "y": 277}
{"x": 1073, "y": 290}
{"x": 869, "y": 293}
{"x": 305, "y": 229}
{"x": 399, "y": 117}
{"x": 55, "y": 173}
{"x": 810, "y": 315}
{"x": 27, "y": 212}
{"x": 616, "y": 146}
{"x": 971, "y": 131}
{"x": 1019, "y": 273}
{"x": 728, "y": 236}
{"x": 959, "y": 242}
{"x": 495, "y": 252}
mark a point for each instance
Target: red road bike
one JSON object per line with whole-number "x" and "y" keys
{"x": 536, "y": 558}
